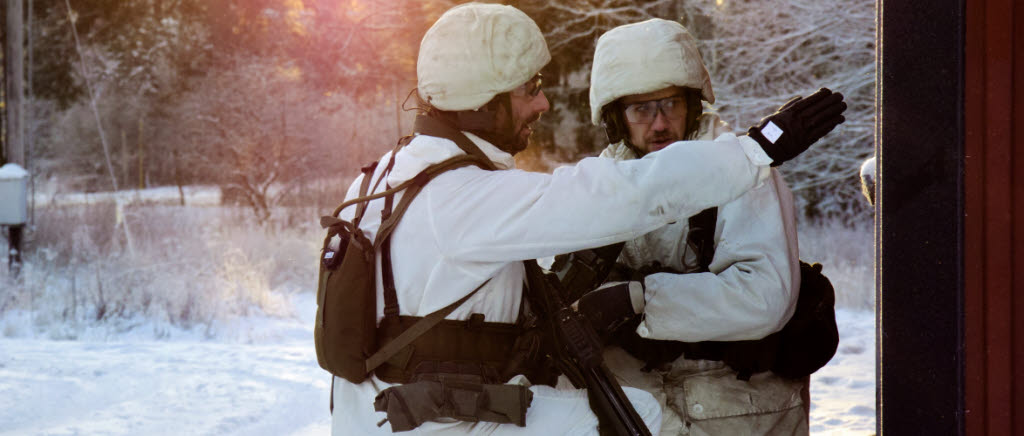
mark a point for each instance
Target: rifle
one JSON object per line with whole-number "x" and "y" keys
{"x": 576, "y": 347}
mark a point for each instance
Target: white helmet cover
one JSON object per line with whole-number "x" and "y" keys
{"x": 476, "y": 51}
{"x": 643, "y": 57}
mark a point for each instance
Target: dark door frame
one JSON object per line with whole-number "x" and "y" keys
{"x": 919, "y": 236}
{"x": 948, "y": 241}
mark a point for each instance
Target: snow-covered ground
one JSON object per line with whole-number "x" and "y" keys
{"x": 265, "y": 381}
{"x": 107, "y": 344}
{"x": 843, "y": 392}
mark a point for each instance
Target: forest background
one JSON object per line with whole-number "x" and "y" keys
{"x": 279, "y": 102}
{"x": 182, "y": 152}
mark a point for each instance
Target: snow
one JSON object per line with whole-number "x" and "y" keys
{"x": 256, "y": 381}
{"x": 12, "y": 171}
{"x": 260, "y": 377}
{"x": 843, "y": 392}
{"x": 194, "y": 196}
{"x": 254, "y": 372}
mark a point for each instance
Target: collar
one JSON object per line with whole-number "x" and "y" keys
{"x": 502, "y": 160}
{"x": 425, "y": 150}
{"x": 619, "y": 151}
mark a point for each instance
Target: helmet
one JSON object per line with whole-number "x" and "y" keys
{"x": 644, "y": 57}
{"x": 476, "y": 51}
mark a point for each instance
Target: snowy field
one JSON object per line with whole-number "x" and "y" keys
{"x": 93, "y": 345}
{"x": 262, "y": 379}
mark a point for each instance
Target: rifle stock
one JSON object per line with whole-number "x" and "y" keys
{"x": 576, "y": 346}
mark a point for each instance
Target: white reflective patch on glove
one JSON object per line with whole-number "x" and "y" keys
{"x": 771, "y": 132}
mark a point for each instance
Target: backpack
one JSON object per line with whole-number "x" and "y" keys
{"x": 345, "y": 329}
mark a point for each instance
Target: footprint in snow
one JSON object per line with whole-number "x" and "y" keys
{"x": 859, "y": 384}
{"x": 831, "y": 381}
{"x": 862, "y": 411}
{"x": 852, "y": 349}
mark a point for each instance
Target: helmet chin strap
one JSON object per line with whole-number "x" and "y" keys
{"x": 475, "y": 120}
{"x": 615, "y": 127}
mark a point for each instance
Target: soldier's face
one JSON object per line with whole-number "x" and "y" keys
{"x": 526, "y": 108}
{"x": 655, "y": 119}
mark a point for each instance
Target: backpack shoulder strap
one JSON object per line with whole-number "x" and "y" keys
{"x": 332, "y": 219}
{"x": 415, "y": 185}
{"x": 389, "y": 219}
{"x": 429, "y": 126}
{"x": 363, "y": 187}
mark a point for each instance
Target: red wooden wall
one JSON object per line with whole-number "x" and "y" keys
{"x": 994, "y": 218}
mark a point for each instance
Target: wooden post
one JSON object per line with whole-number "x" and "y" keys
{"x": 14, "y": 70}
{"x": 14, "y": 250}
{"x": 142, "y": 153}
{"x": 993, "y": 237}
{"x": 177, "y": 177}
{"x": 124, "y": 158}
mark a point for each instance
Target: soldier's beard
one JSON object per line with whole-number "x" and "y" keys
{"x": 513, "y": 135}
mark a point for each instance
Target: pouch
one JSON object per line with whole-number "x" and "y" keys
{"x": 461, "y": 395}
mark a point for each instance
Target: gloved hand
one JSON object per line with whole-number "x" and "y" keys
{"x": 611, "y": 305}
{"x": 798, "y": 124}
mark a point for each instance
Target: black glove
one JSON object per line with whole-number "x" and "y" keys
{"x": 611, "y": 305}
{"x": 798, "y": 124}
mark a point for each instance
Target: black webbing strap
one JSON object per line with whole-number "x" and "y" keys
{"x": 414, "y": 186}
{"x": 387, "y": 275}
{"x": 361, "y": 208}
{"x": 389, "y": 220}
{"x": 415, "y": 331}
{"x": 426, "y": 174}
{"x": 391, "y": 160}
{"x": 430, "y": 126}
{"x": 701, "y": 236}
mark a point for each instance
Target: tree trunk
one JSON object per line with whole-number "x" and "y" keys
{"x": 124, "y": 158}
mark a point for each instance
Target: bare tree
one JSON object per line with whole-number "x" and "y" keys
{"x": 239, "y": 126}
{"x": 761, "y": 54}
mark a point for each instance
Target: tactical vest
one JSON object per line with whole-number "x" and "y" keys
{"x": 350, "y": 345}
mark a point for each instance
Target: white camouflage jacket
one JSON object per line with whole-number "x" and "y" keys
{"x": 469, "y": 225}
{"x": 750, "y": 292}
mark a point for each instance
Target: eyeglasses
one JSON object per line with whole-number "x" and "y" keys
{"x": 530, "y": 88}
{"x": 645, "y": 112}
